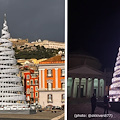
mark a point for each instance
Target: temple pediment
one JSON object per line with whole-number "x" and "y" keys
{"x": 85, "y": 70}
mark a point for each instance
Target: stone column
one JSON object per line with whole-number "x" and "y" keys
{"x": 92, "y": 87}
{"x": 56, "y": 77}
{"x": 40, "y": 70}
{"x": 79, "y": 90}
{"x": 43, "y": 78}
{"x": 98, "y": 87}
{"x": 86, "y": 87}
{"x": 75, "y": 87}
{"x": 104, "y": 88}
{"x": 72, "y": 87}
{"x": 39, "y": 78}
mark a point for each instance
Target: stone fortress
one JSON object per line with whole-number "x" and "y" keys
{"x": 24, "y": 43}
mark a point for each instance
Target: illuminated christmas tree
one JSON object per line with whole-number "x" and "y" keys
{"x": 114, "y": 91}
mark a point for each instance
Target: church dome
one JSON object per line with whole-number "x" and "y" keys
{"x": 78, "y": 59}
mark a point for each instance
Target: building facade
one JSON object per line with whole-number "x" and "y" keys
{"x": 52, "y": 81}
{"x": 83, "y": 81}
{"x": 47, "y": 44}
{"x": 85, "y": 77}
{"x": 31, "y": 84}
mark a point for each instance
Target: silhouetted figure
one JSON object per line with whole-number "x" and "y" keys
{"x": 106, "y": 104}
{"x": 93, "y": 103}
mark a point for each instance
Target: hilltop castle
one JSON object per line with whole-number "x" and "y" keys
{"x": 23, "y": 43}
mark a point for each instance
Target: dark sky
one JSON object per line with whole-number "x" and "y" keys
{"x": 34, "y": 19}
{"x": 94, "y": 27}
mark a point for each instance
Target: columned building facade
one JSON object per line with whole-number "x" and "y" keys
{"x": 84, "y": 78}
{"x": 85, "y": 87}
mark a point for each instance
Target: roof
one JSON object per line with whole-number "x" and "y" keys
{"x": 55, "y": 59}
{"x": 85, "y": 71}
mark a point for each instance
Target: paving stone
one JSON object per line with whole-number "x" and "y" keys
{"x": 46, "y": 115}
{"x": 76, "y": 108}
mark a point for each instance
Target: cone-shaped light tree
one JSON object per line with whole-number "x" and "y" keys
{"x": 11, "y": 89}
{"x": 114, "y": 91}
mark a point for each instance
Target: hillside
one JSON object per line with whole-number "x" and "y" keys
{"x": 38, "y": 53}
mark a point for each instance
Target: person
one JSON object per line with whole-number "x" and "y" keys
{"x": 106, "y": 104}
{"x": 93, "y": 103}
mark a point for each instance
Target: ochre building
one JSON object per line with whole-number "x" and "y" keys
{"x": 52, "y": 81}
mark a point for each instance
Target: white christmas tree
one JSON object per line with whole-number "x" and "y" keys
{"x": 11, "y": 89}
{"x": 114, "y": 91}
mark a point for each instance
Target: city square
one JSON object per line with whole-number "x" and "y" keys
{"x": 37, "y": 116}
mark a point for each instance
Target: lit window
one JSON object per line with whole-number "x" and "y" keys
{"x": 28, "y": 76}
{"x": 50, "y": 98}
{"x": 63, "y": 86}
{"x": 49, "y": 86}
{"x": 63, "y": 98}
{"x": 36, "y": 82}
{"x": 31, "y": 82}
{"x": 63, "y": 72}
{"x": 27, "y": 82}
{"x": 49, "y": 73}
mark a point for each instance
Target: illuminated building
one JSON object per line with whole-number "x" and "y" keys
{"x": 85, "y": 77}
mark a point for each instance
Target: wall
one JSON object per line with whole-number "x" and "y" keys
{"x": 56, "y": 98}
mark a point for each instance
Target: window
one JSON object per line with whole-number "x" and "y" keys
{"x": 49, "y": 86}
{"x": 36, "y": 82}
{"x": 36, "y": 94}
{"x": 36, "y": 88}
{"x": 34, "y": 75}
{"x": 28, "y": 98}
{"x": 63, "y": 86}
{"x": 63, "y": 72}
{"x": 28, "y": 76}
{"x": 50, "y": 99}
{"x": 28, "y": 91}
{"x": 49, "y": 73}
{"x": 63, "y": 57}
{"x": 31, "y": 81}
{"x": 27, "y": 82}
{"x": 63, "y": 98}
{"x": 31, "y": 88}
{"x": 31, "y": 95}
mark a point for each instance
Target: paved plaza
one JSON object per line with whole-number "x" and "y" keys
{"x": 79, "y": 110}
{"x": 45, "y": 115}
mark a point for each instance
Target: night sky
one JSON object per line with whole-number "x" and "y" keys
{"x": 94, "y": 28}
